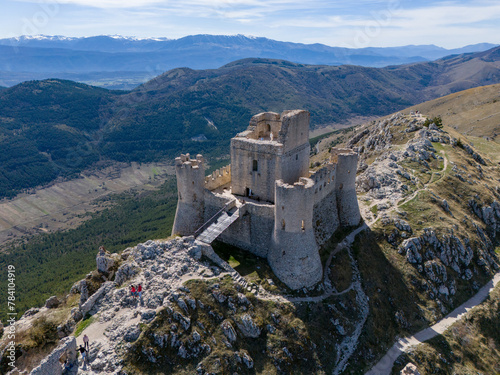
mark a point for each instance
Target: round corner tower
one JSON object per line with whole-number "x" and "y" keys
{"x": 190, "y": 186}
{"x": 294, "y": 255}
{"x": 347, "y": 201}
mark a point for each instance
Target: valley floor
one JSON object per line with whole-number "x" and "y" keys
{"x": 67, "y": 204}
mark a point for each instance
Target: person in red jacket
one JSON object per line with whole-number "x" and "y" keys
{"x": 132, "y": 290}
{"x": 139, "y": 291}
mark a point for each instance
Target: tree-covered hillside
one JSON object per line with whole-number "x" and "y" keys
{"x": 47, "y": 129}
{"x": 56, "y": 128}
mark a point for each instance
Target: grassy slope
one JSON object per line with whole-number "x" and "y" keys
{"x": 474, "y": 112}
{"x": 394, "y": 285}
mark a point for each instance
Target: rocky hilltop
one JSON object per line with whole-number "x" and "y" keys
{"x": 435, "y": 197}
{"x": 430, "y": 202}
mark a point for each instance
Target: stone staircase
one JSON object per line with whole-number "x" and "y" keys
{"x": 219, "y": 225}
{"x": 250, "y": 287}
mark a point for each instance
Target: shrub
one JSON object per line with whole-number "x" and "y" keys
{"x": 44, "y": 331}
{"x": 436, "y": 120}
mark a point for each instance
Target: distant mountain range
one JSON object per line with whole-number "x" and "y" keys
{"x": 124, "y": 62}
{"x": 56, "y": 128}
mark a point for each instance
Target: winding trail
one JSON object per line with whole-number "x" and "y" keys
{"x": 384, "y": 366}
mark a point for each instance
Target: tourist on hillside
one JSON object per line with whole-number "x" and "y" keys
{"x": 139, "y": 291}
{"x": 83, "y": 352}
{"x": 132, "y": 291}
{"x": 86, "y": 342}
{"x": 67, "y": 367}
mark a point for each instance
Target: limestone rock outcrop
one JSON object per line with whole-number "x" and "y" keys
{"x": 247, "y": 326}
{"x": 105, "y": 261}
{"x": 52, "y": 302}
{"x": 410, "y": 369}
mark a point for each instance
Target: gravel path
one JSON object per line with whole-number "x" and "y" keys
{"x": 384, "y": 366}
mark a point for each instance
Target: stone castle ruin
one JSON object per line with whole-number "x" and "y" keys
{"x": 267, "y": 201}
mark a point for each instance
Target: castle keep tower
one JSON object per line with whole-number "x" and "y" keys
{"x": 267, "y": 201}
{"x": 273, "y": 147}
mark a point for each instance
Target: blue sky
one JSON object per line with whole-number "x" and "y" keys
{"x": 356, "y": 23}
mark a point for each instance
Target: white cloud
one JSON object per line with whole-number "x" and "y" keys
{"x": 188, "y": 5}
{"x": 380, "y": 23}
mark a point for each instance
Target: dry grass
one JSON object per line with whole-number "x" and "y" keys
{"x": 473, "y": 112}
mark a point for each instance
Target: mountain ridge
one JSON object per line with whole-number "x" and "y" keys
{"x": 55, "y": 57}
{"x": 186, "y": 110}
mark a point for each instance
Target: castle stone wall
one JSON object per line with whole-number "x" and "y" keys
{"x": 214, "y": 203}
{"x": 253, "y": 231}
{"x": 263, "y": 124}
{"x": 324, "y": 181}
{"x": 294, "y": 255}
{"x": 261, "y": 181}
{"x": 190, "y": 186}
{"x": 219, "y": 178}
{"x": 52, "y": 365}
{"x": 325, "y": 218}
{"x": 295, "y": 164}
{"x": 294, "y": 130}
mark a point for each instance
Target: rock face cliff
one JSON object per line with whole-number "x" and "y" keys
{"x": 196, "y": 313}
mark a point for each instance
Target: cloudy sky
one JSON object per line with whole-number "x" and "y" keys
{"x": 355, "y": 23}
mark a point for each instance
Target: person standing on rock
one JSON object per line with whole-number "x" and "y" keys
{"x": 132, "y": 290}
{"x": 83, "y": 352}
{"x": 86, "y": 342}
{"x": 139, "y": 291}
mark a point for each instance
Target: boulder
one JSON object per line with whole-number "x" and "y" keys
{"x": 125, "y": 272}
{"x": 228, "y": 330}
{"x": 77, "y": 287}
{"x": 104, "y": 261}
{"x": 30, "y": 312}
{"x": 148, "y": 315}
{"x": 52, "y": 302}
{"x": 195, "y": 252}
{"x": 132, "y": 333}
{"x": 410, "y": 369}
{"x": 411, "y": 247}
{"x": 248, "y": 327}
